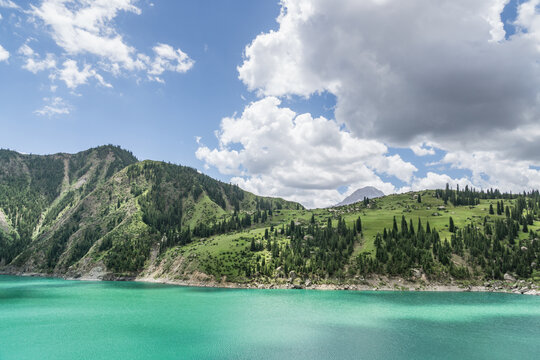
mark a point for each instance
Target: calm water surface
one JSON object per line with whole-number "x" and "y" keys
{"x": 58, "y": 319}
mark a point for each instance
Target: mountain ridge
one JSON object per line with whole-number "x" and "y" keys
{"x": 369, "y": 192}
{"x": 102, "y": 214}
{"x": 96, "y": 196}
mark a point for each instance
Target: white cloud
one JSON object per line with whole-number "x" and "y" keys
{"x": 271, "y": 150}
{"x": 422, "y": 149}
{"x": 26, "y": 50}
{"x": 56, "y": 106}
{"x": 32, "y": 61}
{"x": 489, "y": 169}
{"x": 493, "y": 18}
{"x": 403, "y": 71}
{"x": 4, "y": 54}
{"x": 73, "y": 77}
{"x": 39, "y": 65}
{"x": 436, "y": 181}
{"x": 168, "y": 59}
{"x": 85, "y": 28}
{"x": 420, "y": 74}
{"x": 8, "y": 4}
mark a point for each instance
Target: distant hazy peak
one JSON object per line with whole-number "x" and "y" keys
{"x": 359, "y": 195}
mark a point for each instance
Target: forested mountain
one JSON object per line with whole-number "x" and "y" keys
{"x": 102, "y": 214}
{"x": 35, "y": 190}
{"x": 63, "y": 212}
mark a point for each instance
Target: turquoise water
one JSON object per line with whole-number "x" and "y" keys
{"x": 58, "y": 319}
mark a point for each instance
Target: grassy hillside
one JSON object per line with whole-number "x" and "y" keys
{"x": 354, "y": 243}
{"x": 102, "y": 214}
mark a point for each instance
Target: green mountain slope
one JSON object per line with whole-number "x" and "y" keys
{"x": 102, "y": 215}
{"x": 35, "y": 190}
{"x": 102, "y": 209}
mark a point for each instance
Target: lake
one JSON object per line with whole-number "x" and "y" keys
{"x": 57, "y": 319}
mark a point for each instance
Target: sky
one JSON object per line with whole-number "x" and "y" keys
{"x": 302, "y": 99}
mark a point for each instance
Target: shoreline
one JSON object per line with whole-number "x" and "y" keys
{"x": 398, "y": 285}
{"x": 410, "y": 287}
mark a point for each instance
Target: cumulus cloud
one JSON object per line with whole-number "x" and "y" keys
{"x": 55, "y": 106}
{"x": 490, "y": 169}
{"x": 4, "y": 54}
{"x": 73, "y": 77}
{"x": 422, "y": 149}
{"x": 271, "y": 150}
{"x": 403, "y": 71}
{"x": 167, "y": 59}
{"x": 87, "y": 28}
{"x": 418, "y": 74}
{"x": 69, "y": 73}
{"x": 32, "y": 61}
{"x": 436, "y": 181}
{"x": 8, "y": 4}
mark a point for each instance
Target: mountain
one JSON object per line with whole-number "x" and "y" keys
{"x": 369, "y": 192}
{"x": 102, "y": 214}
{"x": 35, "y": 190}
{"x": 102, "y": 208}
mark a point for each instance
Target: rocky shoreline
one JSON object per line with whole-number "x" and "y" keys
{"x": 520, "y": 287}
{"x": 379, "y": 284}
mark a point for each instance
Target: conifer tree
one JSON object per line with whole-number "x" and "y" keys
{"x": 359, "y": 225}
{"x": 404, "y": 228}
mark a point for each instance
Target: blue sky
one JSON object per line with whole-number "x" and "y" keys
{"x": 155, "y": 121}
{"x": 235, "y": 59}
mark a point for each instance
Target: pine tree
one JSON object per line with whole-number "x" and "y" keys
{"x": 359, "y": 225}
{"x": 404, "y": 228}
{"x": 451, "y": 226}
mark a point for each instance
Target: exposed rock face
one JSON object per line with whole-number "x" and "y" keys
{"x": 4, "y": 225}
{"x": 417, "y": 273}
{"x": 292, "y": 276}
{"x": 509, "y": 277}
{"x": 366, "y": 192}
{"x": 279, "y": 272}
